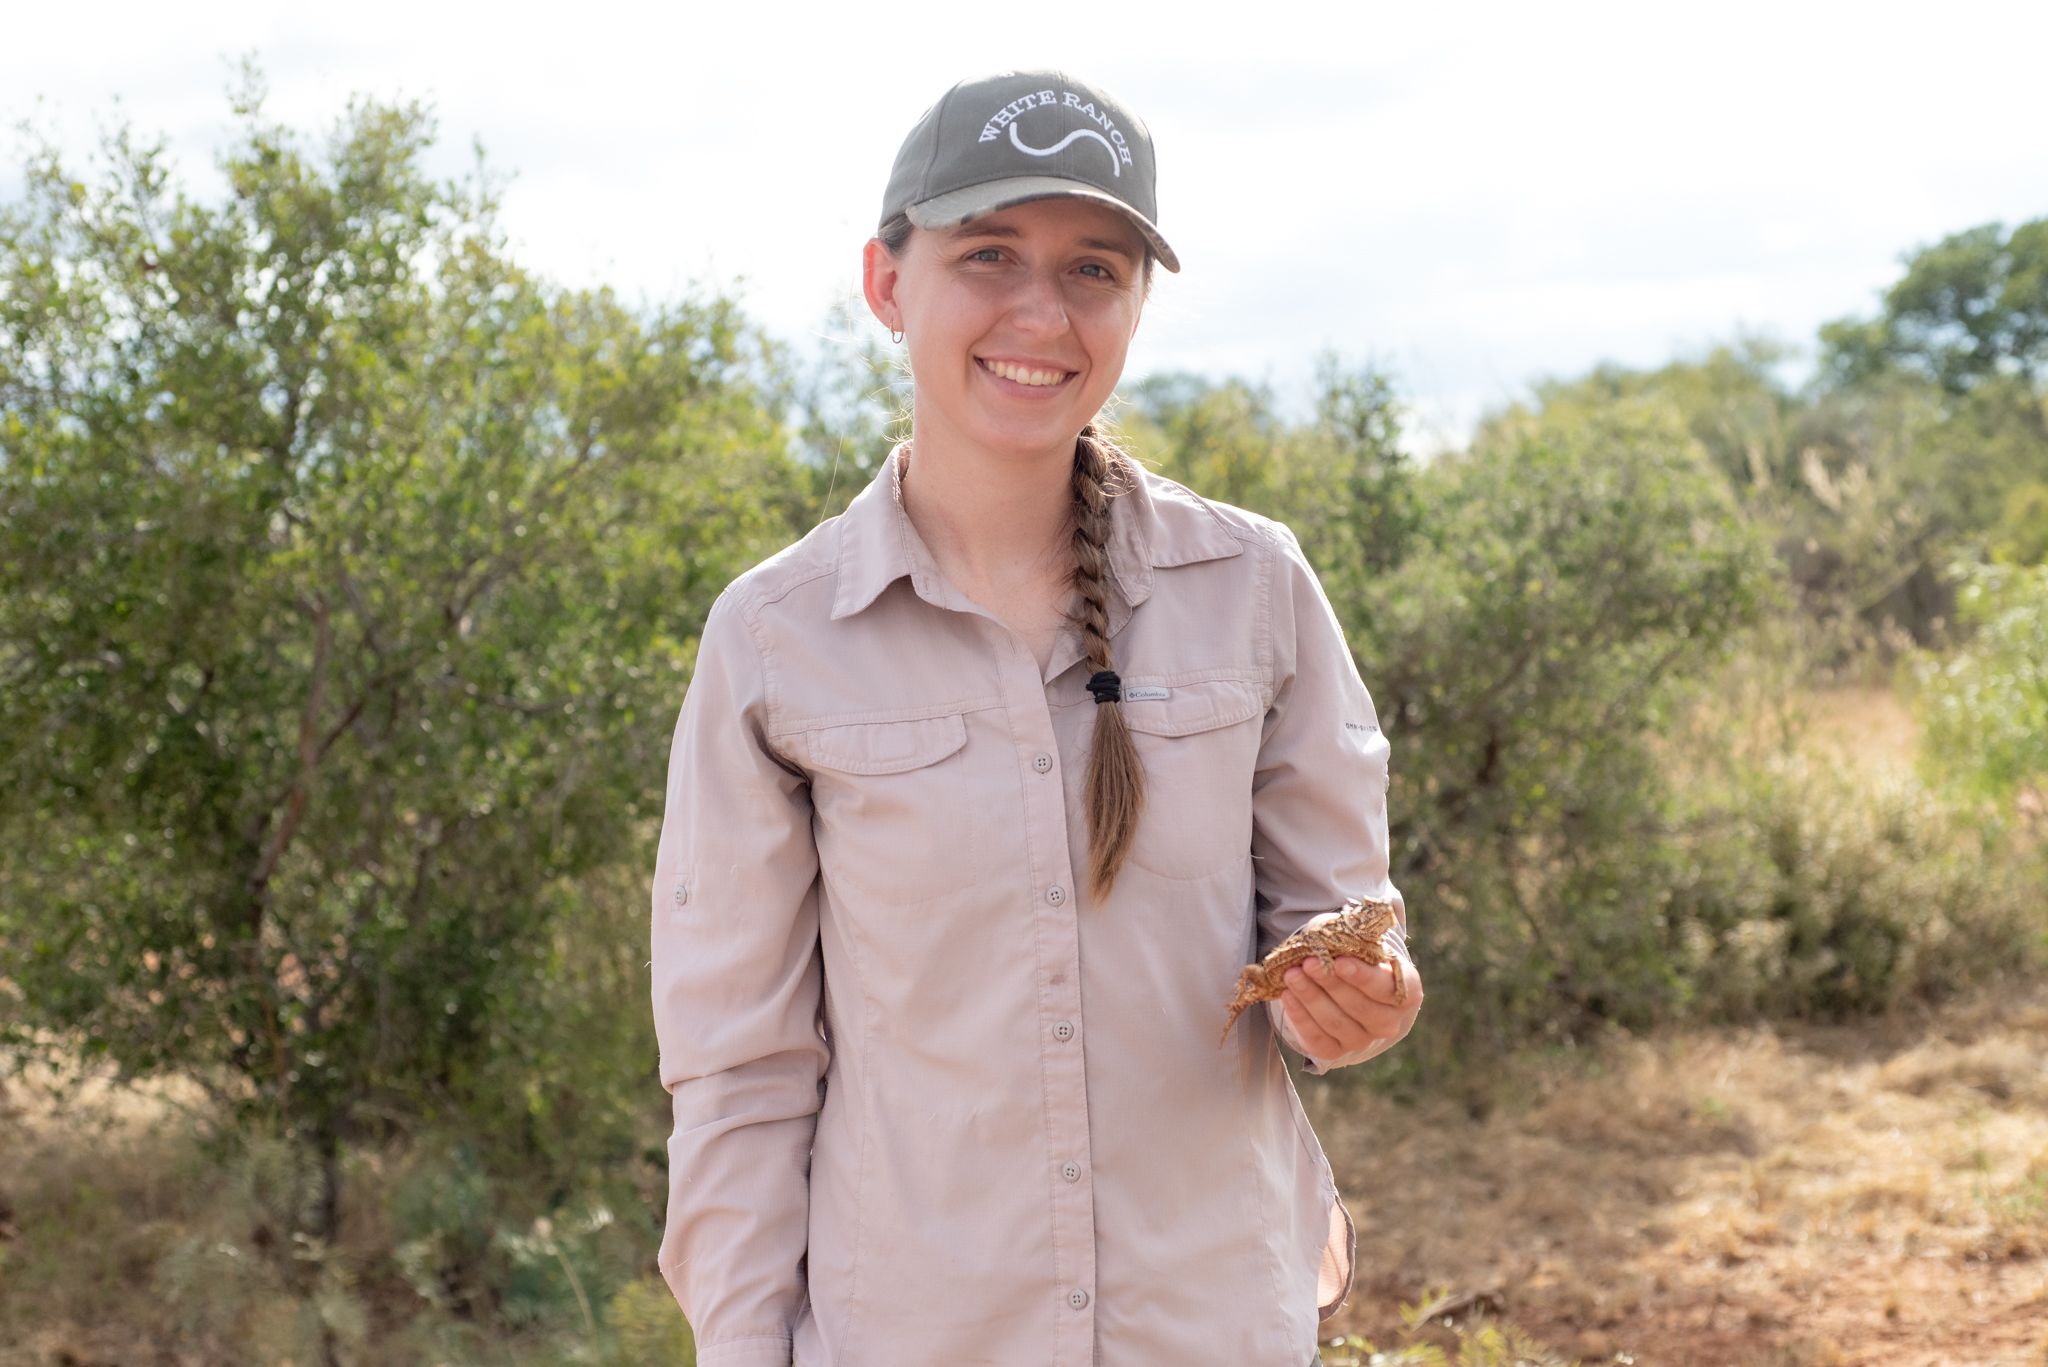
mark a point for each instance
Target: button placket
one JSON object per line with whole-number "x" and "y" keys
{"x": 1053, "y": 904}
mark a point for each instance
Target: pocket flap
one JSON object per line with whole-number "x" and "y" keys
{"x": 1191, "y": 707}
{"x": 885, "y": 747}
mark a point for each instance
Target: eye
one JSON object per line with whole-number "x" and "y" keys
{"x": 985, "y": 254}
{"x": 1102, "y": 272}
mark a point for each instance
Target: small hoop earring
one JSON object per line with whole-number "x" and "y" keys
{"x": 895, "y": 336}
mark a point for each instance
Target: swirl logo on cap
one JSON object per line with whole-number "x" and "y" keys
{"x": 1111, "y": 137}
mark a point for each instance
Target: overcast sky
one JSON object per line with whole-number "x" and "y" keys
{"x": 1471, "y": 196}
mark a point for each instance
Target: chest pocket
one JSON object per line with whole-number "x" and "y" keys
{"x": 1199, "y": 745}
{"x": 895, "y": 810}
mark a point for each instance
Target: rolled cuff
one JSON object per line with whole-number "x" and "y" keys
{"x": 754, "y": 1350}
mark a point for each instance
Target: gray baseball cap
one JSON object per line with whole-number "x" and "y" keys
{"x": 1018, "y": 135}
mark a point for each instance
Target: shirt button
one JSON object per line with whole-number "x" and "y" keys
{"x": 682, "y": 892}
{"x": 1043, "y": 764}
{"x": 1072, "y": 1172}
{"x": 1063, "y": 1031}
{"x": 1055, "y": 894}
{"x": 1077, "y": 1298}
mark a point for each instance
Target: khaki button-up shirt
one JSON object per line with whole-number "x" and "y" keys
{"x": 933, "y": 1103}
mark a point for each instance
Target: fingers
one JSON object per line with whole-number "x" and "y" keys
{"x": 1393, "y": 983}
{"x": 1400, "y": 971}
{"x": 1335, "y": 1013}
{"x": 1314, "y": 1040}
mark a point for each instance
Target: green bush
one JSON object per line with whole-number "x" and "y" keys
{"x": 1793, "y": 887}
{"x": 1985, "y": 707}
{"x": 441, "y": 1214}
{"x": 1563, "y": 586}
{"x": 1477, "y": 1339}
{"x": 648, "y": 1328}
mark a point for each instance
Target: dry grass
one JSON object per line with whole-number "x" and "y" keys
{"x": 95, "y": 1188}
{"x": 125, "y": 1239}
{"x": 1864, "y": 1194}
{"x": 1860, "y": 724}
{"x": 1758, "y": 711}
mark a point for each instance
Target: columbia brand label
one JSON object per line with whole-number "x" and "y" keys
{"x": 1009, "y": 116}
{"x": 1151, "y": 693}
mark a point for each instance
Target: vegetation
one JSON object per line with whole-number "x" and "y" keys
{"x": 350, "y": 577}
{"x": 1987, "y": 704}
{"x": 346, "y": 575}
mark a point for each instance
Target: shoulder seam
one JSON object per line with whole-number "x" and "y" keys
{"x": 756, "y": 596}
{"x": 748, "y": 602}
{"x": 1245, "y": 527}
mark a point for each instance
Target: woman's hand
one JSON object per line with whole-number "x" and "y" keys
{"x": 1338, "y": 1013}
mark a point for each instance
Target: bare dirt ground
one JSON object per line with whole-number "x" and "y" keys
{"x": 1864, "y": 1194}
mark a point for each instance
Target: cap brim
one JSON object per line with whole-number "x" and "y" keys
{"x": 952, "y": 209}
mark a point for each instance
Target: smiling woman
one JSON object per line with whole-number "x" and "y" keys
{"x": 1017, "y": 323}
{"x": 981, "y": 796}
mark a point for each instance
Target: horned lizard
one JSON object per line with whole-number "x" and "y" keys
{"x": 1355, "y": 931}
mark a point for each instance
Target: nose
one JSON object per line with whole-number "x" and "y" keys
{"x": 1040, "y": 306}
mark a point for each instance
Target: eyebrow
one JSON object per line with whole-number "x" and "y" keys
{"x": 1099, "y": 244}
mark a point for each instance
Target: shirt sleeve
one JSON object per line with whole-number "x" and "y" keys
{"x": 737, "y": 986}
{"x": 1319, "y": 793}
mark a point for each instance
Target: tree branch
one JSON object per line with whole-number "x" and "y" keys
{"x": 310, "y": 751}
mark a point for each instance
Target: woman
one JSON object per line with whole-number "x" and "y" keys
{"x": 981, "y": 795}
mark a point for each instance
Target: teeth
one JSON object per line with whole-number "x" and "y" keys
{"x": 1022, "y": 375}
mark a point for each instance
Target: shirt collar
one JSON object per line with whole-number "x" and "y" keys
{"x": 1155, "y": 524}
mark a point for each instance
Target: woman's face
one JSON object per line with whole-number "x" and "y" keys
{"x": 1017, "y": 322}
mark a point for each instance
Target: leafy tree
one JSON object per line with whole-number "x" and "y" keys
{"x": 1568, "y": 582}
{"x": 349, "y": 577}
{"x": 1867, "y": 486}
{"x": 1218, "y": 437}
{"x": 1962, "y": 340}
{"x": 1525, "y": 614}
{"x": 849, "y": 404}
{"x": 2022, "y": 537}
{"x": 1971, "y": 311}
{"x": 1730, "y": 399}
{"x": 1340, "y": 479}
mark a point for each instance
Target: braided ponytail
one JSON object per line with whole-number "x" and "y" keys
{"x": 1115, "y": 783}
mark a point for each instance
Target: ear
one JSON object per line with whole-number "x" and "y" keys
{"x": 879, "y": 272}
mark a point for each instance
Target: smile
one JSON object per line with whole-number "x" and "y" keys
{"x": 1026, "y": 375}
